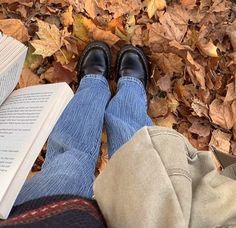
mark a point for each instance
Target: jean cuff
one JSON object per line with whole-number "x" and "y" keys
{"x": 135, "y": 80}
{"x": 97, "y": 77}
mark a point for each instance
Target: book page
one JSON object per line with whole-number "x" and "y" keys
{"x": 21, "y": 118}
{"x": 10, "y": 76}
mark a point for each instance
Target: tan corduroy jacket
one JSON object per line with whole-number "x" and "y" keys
{"x": 158, "y": 180}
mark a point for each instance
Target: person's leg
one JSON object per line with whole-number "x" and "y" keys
{"x": 73, "y": 146}
{"x": 126, "y": 113}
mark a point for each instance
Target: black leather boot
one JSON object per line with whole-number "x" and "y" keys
{"x": 95, "y": 59}
{"x": 133, "y": 62}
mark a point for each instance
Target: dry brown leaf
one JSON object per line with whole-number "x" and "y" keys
{"x": 116, "y": 23}
{"x": 164, "y": 83}
{"x": 222, "y": 114}
{"x": 67, "y": 17}
{"x": 106, "y": 36}
{"x": 173, "y": 26}
{"x": 137, "y": 36}
{"x": 154, "y": 5}
{"x": 28, "y": 3}
{"x": 231, "y": 92}
{"x": 169, "y": 63}
{"x": 167, "y": 121}
{"x": 201, "y": 109}
{"x": 50, "y": 39}
{"x": 58, "y": 73}
{"x": 231, "y": 32}
{"x": 196, "y": 71}
{"x": 28, "y": 78}
{"x": 220, "y": 141}
{"x": 158, "y": 107}
{"x": 200, "y": 128}
{"x": 91, "y": 7}
{"x": 120, "y": 7}
{"x": 14, "y": 28}
{"x": 208, "y": 48}
{"x": 190, "y": 4}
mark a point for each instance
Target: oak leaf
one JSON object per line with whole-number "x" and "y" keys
{"x": 50, "y": 39}
{"x": 14, "y": 28}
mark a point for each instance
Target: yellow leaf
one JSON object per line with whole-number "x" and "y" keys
{"x": 50, "y": 39}
{"x": 154, "y": 5}
{"x": 208, "y": 48}
{"x": 81, "y": 27}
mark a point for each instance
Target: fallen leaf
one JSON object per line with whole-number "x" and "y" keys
{"x": 231, "y": 32}
{"x": 231, "y": 92}
{"x": 190, "y": 4}
{"x": 49, "y": 40}
{"x": 164, "y": 83}
{"x": 61, "y": 54}
{"x": 221, "y": 114}
{"x": 116, "y": 23}
{"x": 201, "y": 109}
{"x": 196, "y": 71}
{"x": 154, "y": 5}
{"x": 106, "y": 36}
{"x": 220, "y": 141}
{"x": 82, "y": 26}
{"x": 120, "y": 7}
{"x": 169, "y": 63}
{"x": 137, "y": 36}
{"x": 33, "y": 61}
{"x": 173, "y": 26}
{"x": 14, "y": 28}
{"x": 158, "y": 107}
{"x": 200, "y": 128}
{"x": 28, "y": 78}
{"x": 58, "y": 73}
{"x": 167, "y": 121}
{"x": 67, "y": 17}
{"x": 208, "y": 48}
{"x": 91, "y": 7}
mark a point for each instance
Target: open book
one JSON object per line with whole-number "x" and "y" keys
{"x": 27, "y": 116}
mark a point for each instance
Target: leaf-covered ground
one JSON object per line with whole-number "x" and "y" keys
{"x": 191, "y": 45}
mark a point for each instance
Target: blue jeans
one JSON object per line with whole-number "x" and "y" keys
{"x": 74, "y": 144}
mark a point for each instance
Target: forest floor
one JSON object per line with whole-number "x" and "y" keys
{"x": 191, "y": 45}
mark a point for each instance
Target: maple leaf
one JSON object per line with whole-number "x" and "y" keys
{"x": 50, "y": 39}
{"x": 154, "y": 5}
